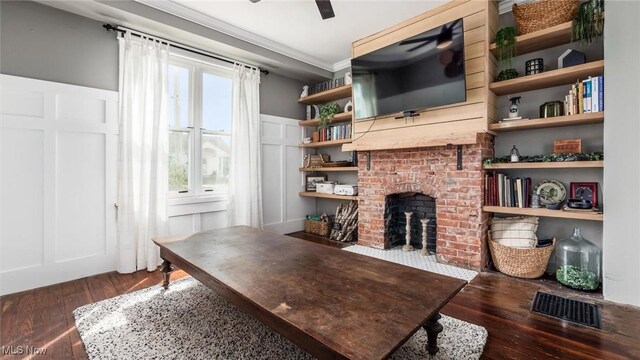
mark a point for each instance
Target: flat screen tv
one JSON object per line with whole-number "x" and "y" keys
{"x": 423, "y": 71}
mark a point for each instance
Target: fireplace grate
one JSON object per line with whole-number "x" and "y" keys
{"x": 559, "y": 307}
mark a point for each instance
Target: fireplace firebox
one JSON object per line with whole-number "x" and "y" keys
{"x": 422, "y": 206}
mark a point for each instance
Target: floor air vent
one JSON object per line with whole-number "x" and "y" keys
{"x": 567, "y": 309}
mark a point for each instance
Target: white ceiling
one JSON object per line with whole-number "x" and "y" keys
{"x": 294, "y": 27}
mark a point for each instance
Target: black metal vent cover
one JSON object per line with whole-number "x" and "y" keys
{"x": 559, "y": 307}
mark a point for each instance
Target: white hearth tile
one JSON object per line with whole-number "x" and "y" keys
{"x": 415, "y": 260}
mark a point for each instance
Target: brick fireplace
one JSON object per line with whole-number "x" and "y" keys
{"x": 460, "y": 225}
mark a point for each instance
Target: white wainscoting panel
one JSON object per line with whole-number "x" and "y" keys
{"x": 284, "y": 210}
{"x": 57, "y": 182}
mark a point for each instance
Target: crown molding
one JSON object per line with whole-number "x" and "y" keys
{"x": 199, "y": 18}
{"x": 343, "y": 64}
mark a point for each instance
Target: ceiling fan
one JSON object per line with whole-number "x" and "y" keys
{"x": 324, "y": 6}
{"x": 443, "y": 39}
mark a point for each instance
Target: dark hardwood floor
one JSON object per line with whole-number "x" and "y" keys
{"x": 43, "y": 318}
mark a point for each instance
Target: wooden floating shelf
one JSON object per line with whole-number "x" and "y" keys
{"x": 548, "y": 78}
{"x": 326, "y": 96}
{"x": 337, "y": 118}
{"x": 557, "y": 121}
{"x": 327, "y": 196}
{"x": 331, "y": 169}
{"x": 540, "y": 40}
{"x": 546, "y": 165}
{"x": 545, "y": 213}
{"x": 325, "y": 143}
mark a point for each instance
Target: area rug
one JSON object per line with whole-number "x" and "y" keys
{"x": 190, "y": 321}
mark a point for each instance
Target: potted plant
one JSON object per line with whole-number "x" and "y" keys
{"x": 589, "y": 21}
{"x": 326, "y": 114}
{"x": 506, "y": 44}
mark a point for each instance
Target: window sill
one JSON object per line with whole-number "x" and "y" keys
{"x": 196, "y": 205}
{"x": 187, "y": 200}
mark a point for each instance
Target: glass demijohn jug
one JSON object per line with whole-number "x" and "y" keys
{"x": 578, "y": 262}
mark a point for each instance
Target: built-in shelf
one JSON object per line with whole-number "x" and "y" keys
{"x": 592, "y": 216}
{"x": 546, "y": 165}
{"x": 327, "y": 196}
{"x": 325, "y": 143}
{"x": 540, "y": 40}
{"x": 337, "y": 118}
{"x": 548, "y": 78}
{"x": 326, "y": 96}
{"x": 557, "y": 121}
{"x": 331, "y": 169}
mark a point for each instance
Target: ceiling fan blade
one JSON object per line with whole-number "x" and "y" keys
{"x": 325, "y": 8}
{"x": 419, "y": 46}
{"x": 254, "y": 1}
{"x": 413, "y": 41}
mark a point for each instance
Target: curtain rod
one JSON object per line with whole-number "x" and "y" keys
{"x": 137, "y": 33}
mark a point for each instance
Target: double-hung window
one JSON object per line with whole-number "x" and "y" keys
{"x": 199, "y": 114}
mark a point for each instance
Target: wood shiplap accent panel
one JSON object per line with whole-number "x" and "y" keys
{"x": 455, "y": 132}
{"x": 452, "y": 124}
{"x": 429, "y": 117}
{"x": 421, "y": 23}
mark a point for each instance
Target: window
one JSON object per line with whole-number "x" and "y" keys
{"x": 199, "y": 116}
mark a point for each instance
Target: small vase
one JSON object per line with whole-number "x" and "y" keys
{"x": 315, "y": 136}
{"x": 579, "y": 262}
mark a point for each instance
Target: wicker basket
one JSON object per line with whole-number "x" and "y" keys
{"x": 543, "y": 14}
{"x": 321, "y": 228}
{"x": 522, "y": 263}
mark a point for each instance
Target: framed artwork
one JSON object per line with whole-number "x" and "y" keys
{"x": 586, "y": 191}
{"x": 312, "y": 180}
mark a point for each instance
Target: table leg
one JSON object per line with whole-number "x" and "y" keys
{"x": 433, "y": 328}
{"x": 166, "y": 273}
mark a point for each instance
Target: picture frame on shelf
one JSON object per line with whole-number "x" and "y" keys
{"x": 585, "y": 191}
{"x": 312, "y": 180}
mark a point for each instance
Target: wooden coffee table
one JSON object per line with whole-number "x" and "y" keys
{"x": 334, "y": 304}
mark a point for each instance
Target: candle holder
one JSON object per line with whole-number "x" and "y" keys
{"x": 407, "y": 246}
{"x": 425, "y": 223}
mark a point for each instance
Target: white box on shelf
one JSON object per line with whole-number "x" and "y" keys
{"x": 325, "y": 188}
{"x": 350, "y": 190}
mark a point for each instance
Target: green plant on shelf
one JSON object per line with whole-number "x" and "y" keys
{"x": 592, "y": 156}
{"x": 326, "y": 114}
{"x": 506, "y": 44}
{"x": 589, "y": 22}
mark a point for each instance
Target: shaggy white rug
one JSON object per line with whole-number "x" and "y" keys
{"x": 190, "y": 321}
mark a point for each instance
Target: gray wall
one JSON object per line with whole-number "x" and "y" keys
{"x": 279, "y": 95}
{"x": 45, "y": 43}
{"x": 41, "y": 42}
{"x": 621, "y": 134}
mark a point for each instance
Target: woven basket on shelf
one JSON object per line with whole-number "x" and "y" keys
{"x": 543, "y": 14}
{"x": 522, "y": 263}
{"x": 321, "y": 228}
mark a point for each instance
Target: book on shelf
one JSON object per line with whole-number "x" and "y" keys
{"x": 585, "y": 96}
{"x": 335, "y": 132}
{"x": 505, "y": 191}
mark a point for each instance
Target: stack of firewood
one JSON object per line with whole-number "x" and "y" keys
{"x": 345, "y": 227}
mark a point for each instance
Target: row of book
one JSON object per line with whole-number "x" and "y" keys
{"x": 585, "y": 96}
{"x": 336, "y": 132}
{"x": 502, "y": 190}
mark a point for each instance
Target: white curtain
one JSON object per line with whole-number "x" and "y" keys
{"x": 142, "y": 157}
{"x": 245, "y": 192}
